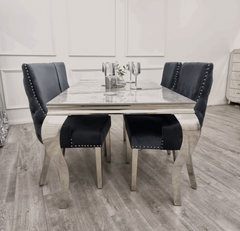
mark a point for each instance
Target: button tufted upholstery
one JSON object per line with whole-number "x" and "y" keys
{"x": 43, "y": 82}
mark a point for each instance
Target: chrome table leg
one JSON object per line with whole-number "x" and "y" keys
{"x": 46, "y": 163}
{"x": 51, "y": 139}
{"x": 191, "y": 134}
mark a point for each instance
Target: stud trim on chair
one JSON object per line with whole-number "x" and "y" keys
{"x": 176, "y": 75}
{"x": 204, "y": 81}
{"x": 33, "y": 91}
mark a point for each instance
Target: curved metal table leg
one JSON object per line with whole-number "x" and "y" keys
{"x": 191, "y": 133}
{"x": 193, "y": 140}
{"x": 51, "y": 139}
{"x": 43, "y": 176}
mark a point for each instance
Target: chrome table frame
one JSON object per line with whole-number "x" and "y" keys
{"x": 68, "y": 103}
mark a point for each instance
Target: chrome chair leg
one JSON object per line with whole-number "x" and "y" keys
{"x": 124, "y": 130}
{"x": 46, "y": 163}
{"x": 134, "y": 169}
{"x": 175, "y": 153}
{"x": 108, "y": 147}
{"x": 63, "y": 151}
{"x": 128, "y": 148}
{"x": 98, "y": 155}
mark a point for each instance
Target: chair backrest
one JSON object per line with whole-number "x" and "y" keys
{"x": 43, "y": 82}
{"x": 171, "y": 74}
{"x": 62, "y": 76}
{"x": 195, "y": 82}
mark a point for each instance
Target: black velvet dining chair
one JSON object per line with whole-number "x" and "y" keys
{"x": 43, "y": 82}
{"x": 169, "y": 80}
{"x": 164, "y": 131}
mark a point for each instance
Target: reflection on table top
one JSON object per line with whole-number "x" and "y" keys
{"x": 93, "y": 94}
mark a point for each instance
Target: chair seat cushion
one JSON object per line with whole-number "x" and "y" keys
{"x": 84, "y": 131}
{"x": 154, "y": 131}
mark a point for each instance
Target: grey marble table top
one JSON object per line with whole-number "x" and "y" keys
{"x": 91, "y": 95}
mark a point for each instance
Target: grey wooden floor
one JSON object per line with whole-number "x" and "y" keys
{"x": 215, "y": 205}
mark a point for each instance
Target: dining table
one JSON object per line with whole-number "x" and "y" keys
{"x": 91, "y": 97}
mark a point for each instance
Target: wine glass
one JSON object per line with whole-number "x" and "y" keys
{"x": 130, "y": 73}
{"x": 109, "y": 73}
{"x": 136, "y": 70}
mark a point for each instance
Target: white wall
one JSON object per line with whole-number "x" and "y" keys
{"x": 204, "y": 31}
{"x": 83, "y": 34}
{"x": 236, "y": 44}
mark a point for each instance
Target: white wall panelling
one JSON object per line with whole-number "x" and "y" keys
{"x": 87, "y": 75}
{"x": 92, "y": 28}
{"x": 26, "y": 28}
{"x": 147, "y": 73}
{"x": 13, "y": 89}
{"x": 145, "y": 27}
{"x": 19, "y": 116}
{"x": 151, "y": 74}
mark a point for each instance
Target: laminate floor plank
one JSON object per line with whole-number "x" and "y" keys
{"x": 131, "y": 215}
{"x": 153, "y": 186}
{"x": 215, "y": 205}
{"x": 60, "y": 219}
{"x": 157, "y": 187}
{"x": 151, "y": 209}
{"x": 93, "y": 212}
{"x": 9, "y": 159}
{"x": 229, "y": 160}
{"x": 29, "y": 210}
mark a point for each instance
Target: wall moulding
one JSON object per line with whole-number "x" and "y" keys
{"x": 14, "y": 54}
{"x": 144, "y": 26}
{"x": 86, "y": 74}
{"x": 27, "y": 29}
{"x": 92, "y": 28}
{"x": 152, "y": 68}
{"x": 152, "y": 73}
{"x": 100, "y": 70}
{"x": 13, "y": 90}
